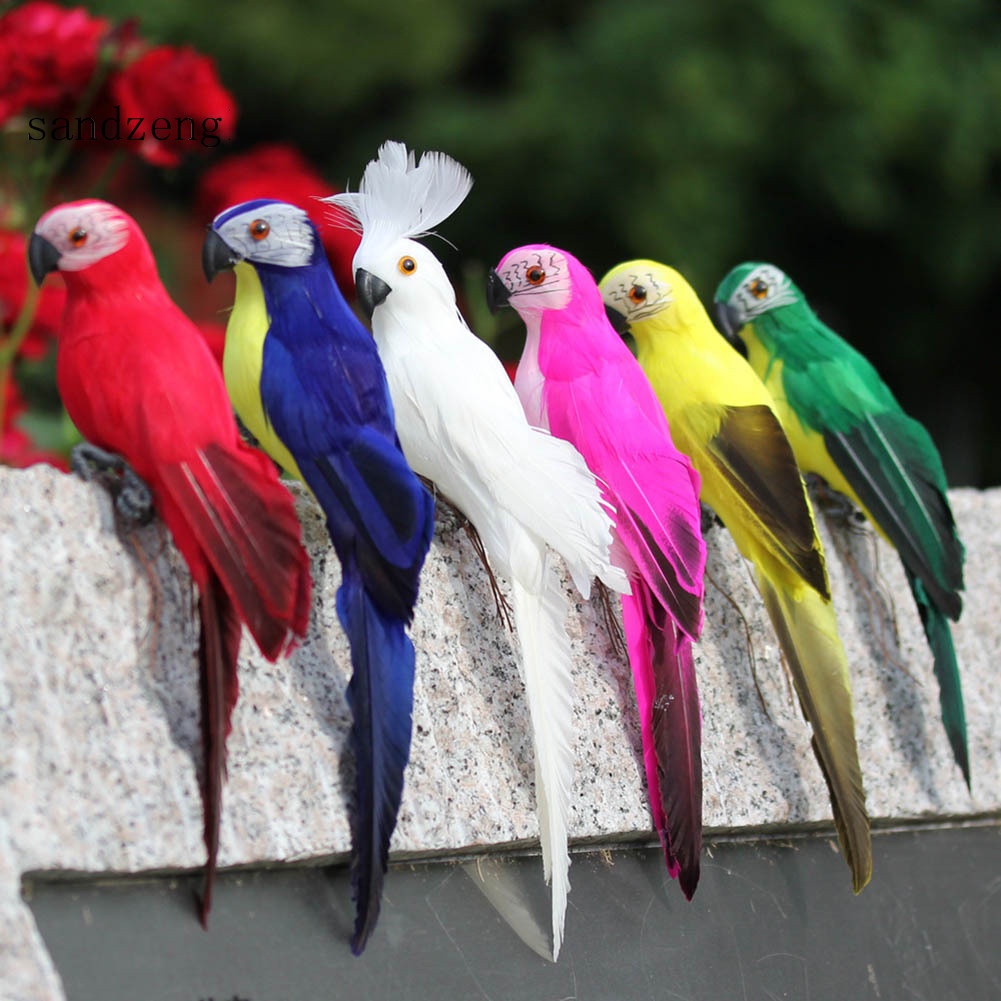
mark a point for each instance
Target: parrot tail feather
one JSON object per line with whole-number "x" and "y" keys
{"x": 540, "y": 613}
{"x": 671, "y": 724}
{"x": 807, "y": 633}
{"x": 950, "y": 690}
{"x": 241, "y": 518}
{"x": 218, "y": 648}
{"x": 381, "y": 697}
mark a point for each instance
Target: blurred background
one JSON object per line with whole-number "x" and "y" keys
{"x": 855, "y": 143}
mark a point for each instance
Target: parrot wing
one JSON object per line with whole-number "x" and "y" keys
{"x": 371, "y": 496}
{"x": 890, "y": 462}
{"x": 331, "y": 409}
{"x": 230, "y": 500}
{"x": 756, "y": 466}
{"x": 225, "y": 500}
{"x": 467, "y": 432}
{"x": 886, "y": 457}
{"x": 651, "y": 484}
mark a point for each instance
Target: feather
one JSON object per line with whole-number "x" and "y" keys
{"x": 909, "y": 507}
{"x": 380, "y": 695}
{"x": 540, "y": 611}
{"x": 400, "y": 198}
{"x": 218, "y": 647}
{"x": 752, "y": 453}
{"x": 950, "y": 690}
{"x": 808, "y": 635}
{"x": 237, "y": 511}
{"x": 671, "y": 723}
{"x": 886, "y": 470}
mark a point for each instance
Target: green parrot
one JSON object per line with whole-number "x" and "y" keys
{"x": 846, "y": 426}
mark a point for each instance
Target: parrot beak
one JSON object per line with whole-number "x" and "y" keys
{"x": 728, "y": 321}
{"x": 42, "y": 257}
{"x": 371, "y": 291}
{"x": 497, "y": 292}
{"x": 618, "y": 321}
{"x": 217, "y": 255}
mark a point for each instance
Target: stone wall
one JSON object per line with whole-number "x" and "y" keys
{"x": 99, "y": 708}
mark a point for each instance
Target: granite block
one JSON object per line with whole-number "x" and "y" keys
{"x": 99, "y": 707}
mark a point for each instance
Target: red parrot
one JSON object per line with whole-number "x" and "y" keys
{"x": 139, "y": 380}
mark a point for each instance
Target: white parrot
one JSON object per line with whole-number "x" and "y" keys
{"x": 462, "y": 426}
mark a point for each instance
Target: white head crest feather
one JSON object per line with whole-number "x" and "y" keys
{"x": 399, "y": 198}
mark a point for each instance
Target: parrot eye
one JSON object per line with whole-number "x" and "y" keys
{"x": 78, "y": 236}
{"x": 637, "y": 295}
{"x": 259, "y": 229}
{"x": 407, "y": 265}
{"x": 535, "y": 276}
{"x": 758, "y": 289}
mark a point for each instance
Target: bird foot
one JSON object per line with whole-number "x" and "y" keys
{"x": 835, "y": 505}
{"x": 133, "y": 498}
{"x": 709, "y": 519}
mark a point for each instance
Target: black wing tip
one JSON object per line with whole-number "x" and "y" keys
{"x": 688, "y": 879}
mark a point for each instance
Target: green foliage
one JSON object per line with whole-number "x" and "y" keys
{"x": 856, "y": 143}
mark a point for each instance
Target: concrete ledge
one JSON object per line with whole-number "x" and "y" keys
{"x": 99, "y": 708}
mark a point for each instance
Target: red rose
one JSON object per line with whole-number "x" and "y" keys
{"x": 13, "y": 288}
{"x": 182, "y": 104}
{"x": 48, "y": 55}
{"x": 279, "y": 171}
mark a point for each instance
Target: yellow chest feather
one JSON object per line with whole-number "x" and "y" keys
{"x": 243, "y": 362}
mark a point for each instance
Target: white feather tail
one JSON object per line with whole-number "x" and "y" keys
{"x": 540, "y": 611}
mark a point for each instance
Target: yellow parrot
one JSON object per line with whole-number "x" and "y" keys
{"x": 723, "y": 417}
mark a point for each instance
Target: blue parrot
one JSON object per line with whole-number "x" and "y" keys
{"x": 305, "y": 378}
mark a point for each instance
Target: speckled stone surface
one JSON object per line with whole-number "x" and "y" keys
{"x": 99, "y": 707}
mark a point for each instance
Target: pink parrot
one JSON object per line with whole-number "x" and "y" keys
{"x": 577, "y": 378}
{"x": 139, "y": 380}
